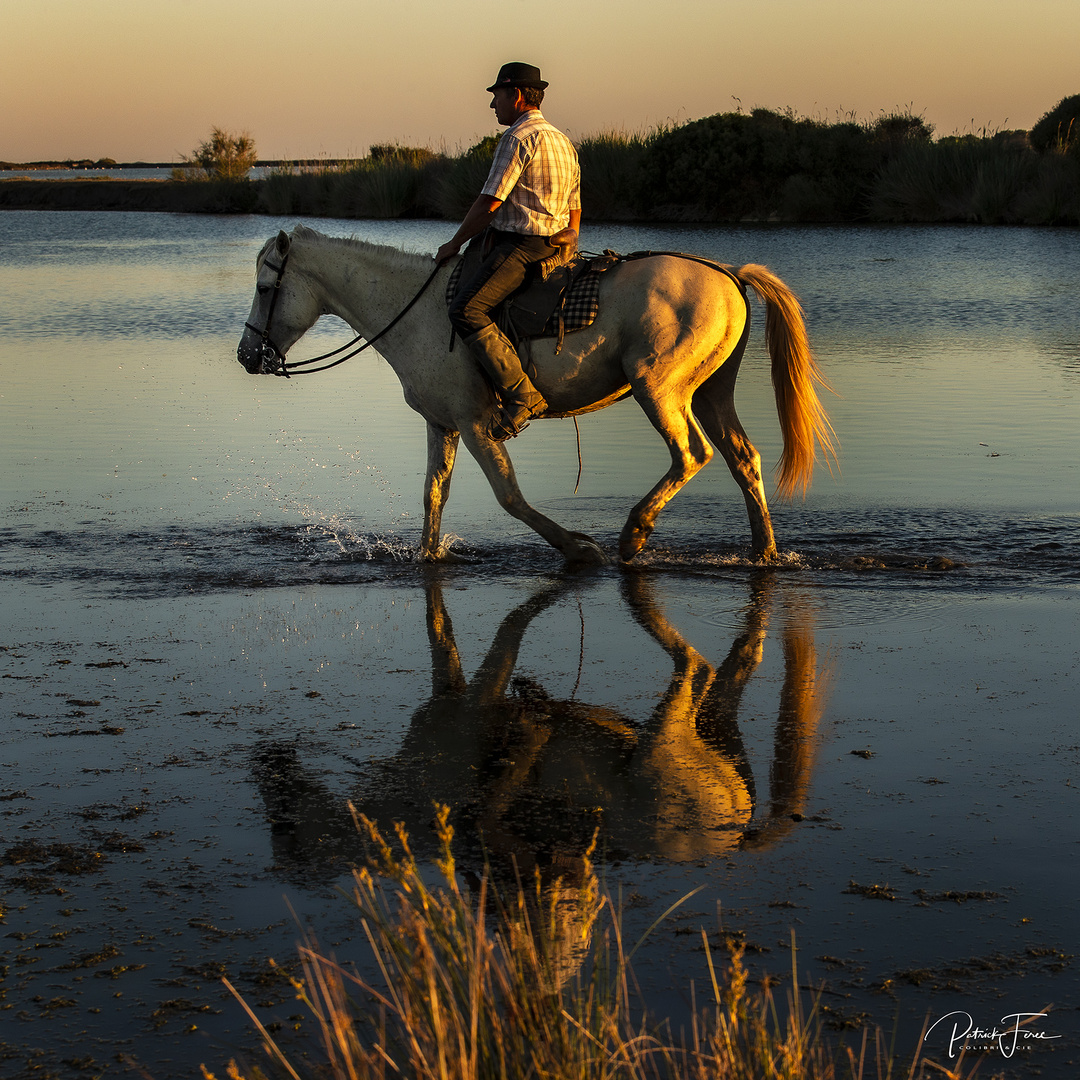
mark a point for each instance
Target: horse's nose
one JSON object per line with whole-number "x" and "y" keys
{"x": 249, "y": 353}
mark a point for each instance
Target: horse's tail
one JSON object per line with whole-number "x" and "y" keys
{"x": 795, "y": 376}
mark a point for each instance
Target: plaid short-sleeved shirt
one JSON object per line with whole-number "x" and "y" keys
{"x": 536, "y": 175}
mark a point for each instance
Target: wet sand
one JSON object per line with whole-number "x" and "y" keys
{"x": 883, "y": 765}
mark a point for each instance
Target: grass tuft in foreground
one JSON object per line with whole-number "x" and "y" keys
{"x": 533, "y": 983}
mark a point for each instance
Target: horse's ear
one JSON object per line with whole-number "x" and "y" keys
{"x": 283, "y": 241}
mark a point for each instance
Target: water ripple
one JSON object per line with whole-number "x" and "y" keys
{"x": 937, "y": 549}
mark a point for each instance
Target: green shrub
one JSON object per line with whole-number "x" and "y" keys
{"x": 223, "y": 156}
{"x": 803, "y": 198}
{"x": 700, "y": 169}
{"x": 1059, "y": 129}
{"x": 894, "y": 131}
{"x": 766, "y": 164}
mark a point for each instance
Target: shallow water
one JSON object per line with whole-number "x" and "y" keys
{"x": 216, "y": 633}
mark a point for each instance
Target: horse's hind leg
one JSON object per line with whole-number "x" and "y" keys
{"x": 690, "y": 452}
{"x": 714, "y": 406}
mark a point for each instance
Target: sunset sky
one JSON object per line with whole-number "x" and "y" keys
{"x": 142, "y": 80}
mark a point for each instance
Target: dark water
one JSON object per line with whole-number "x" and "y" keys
{"x": 216, "y": 633}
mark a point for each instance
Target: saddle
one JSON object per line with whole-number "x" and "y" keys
{"x": 560, "y": 294}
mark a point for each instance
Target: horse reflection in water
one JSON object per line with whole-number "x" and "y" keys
{"x": 531, "y": 779}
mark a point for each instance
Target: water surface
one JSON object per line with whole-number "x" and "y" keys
{"x": 216, "y": 634}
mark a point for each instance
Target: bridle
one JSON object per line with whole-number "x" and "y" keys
{"x": 273, "y": 357}
{"x": 269, "y": 353}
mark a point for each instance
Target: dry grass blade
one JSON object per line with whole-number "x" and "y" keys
{"x": 268, "y": 1041}
{"x": 534, "y": 984}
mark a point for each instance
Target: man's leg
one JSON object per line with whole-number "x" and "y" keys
{"x": 520, "y": 399}
{"x": 500, "y": 274}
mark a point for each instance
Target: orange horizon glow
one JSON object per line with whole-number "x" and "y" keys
{"x": 134, "y": 81}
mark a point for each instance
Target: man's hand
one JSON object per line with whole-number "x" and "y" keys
{"x": 446, "y": 252}
{"x": 476, "y": 221}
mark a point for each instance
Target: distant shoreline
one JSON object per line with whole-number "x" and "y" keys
{"x": 108, "y": 163}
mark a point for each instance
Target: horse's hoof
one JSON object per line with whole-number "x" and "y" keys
{"x": 768, "y": 557}
{"x": 445, "y": 553}
{"x": 585, "y": 551}
{"x": 450, "y": 558}
{"x": 631, "y": 542}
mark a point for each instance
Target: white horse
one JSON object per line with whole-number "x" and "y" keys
{"x": 671, "y": 332}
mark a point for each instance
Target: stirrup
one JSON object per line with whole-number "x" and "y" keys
{"x": 502, "y": 427}
{"x": 505, "y": 425}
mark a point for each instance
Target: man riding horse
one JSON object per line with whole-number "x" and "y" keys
{"x": 532, "y": 195}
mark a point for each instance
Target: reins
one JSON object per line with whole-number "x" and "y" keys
{"x": 300, "y": 367}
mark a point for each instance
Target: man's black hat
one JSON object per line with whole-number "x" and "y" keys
{"x": 518, "y": 74}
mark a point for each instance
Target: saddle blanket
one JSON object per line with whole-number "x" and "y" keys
{"x": 567, "y": 300}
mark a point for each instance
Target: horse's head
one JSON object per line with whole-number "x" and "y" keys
{"x": 284, "y": 309}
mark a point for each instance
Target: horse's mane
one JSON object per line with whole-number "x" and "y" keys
{"x": 395, "y": 256}
{"x": 263, "y": 252}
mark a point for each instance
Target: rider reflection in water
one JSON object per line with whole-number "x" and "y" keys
{"x": 528, "y": 208}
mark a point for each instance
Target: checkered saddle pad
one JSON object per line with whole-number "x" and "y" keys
{"x": 568, "y": 299}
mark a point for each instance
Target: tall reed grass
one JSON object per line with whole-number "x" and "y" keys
{"x": 461, "y": 183}
{"x": 959, "y": 179}
{"x": 392, "y": 182}
{"x": 611, "y": 174}
{"x": 534, "y": 982}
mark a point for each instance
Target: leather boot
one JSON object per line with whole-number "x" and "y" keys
{"x": 520, "y": 400}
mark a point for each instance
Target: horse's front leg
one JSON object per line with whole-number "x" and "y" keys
{"x": 442, "y": 449}
{"x": 497, "y": 467}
